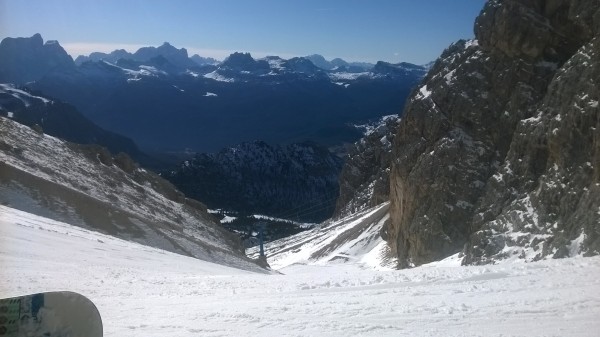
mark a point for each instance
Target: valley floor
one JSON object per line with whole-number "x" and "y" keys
{"x": 142, "y": 291}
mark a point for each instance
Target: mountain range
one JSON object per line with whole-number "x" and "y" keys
{"x": 177, "y": 57}
{"x": 160, "y": 96}
{"x": 206, "y": 106}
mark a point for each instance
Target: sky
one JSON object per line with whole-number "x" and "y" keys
{"x": 355, "y": 30}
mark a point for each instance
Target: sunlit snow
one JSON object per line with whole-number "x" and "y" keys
{"x": 218, "y": 77}
{"x": 345, "y": 76}
{"x": 21, "y": 95}
{"x": 143, "y": 291}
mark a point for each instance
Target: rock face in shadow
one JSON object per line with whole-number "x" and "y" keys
{"x": 27, "y": 59}
{"x": 364, "y": 180}
{"x": 497, "y": 154}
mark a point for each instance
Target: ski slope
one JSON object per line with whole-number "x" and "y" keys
{"x": 143, "y": 291}
{"x": 354, "y": 240}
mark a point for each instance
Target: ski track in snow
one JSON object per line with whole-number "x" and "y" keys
{"x": 143, "y": 291}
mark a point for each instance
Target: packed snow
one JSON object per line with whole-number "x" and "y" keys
{"x": 143, "y": 291}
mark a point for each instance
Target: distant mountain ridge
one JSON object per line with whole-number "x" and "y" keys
{"x": 176, "y": 56}
{"x": 63, "y": 121}
{"x": 161, "y": 91}
{"x": 297, "y": 181}
{"x": 322, "y": 63}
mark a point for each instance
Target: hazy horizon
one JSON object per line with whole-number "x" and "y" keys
{"x": 356, "y": 31}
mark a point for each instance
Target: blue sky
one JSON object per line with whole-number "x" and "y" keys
{"x": 355, "y": 30}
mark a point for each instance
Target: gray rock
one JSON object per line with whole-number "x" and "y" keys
{"x": 497, "y": 151}
{"x": 29, "y": 59}
{"x": 364, "y": 180}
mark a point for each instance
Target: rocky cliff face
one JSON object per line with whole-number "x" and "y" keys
{"x": 364, "y": 180}
{"x": 498, "y": 151}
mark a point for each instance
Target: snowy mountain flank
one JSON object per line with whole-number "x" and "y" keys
{"x": 353, "y": 240}
{"x": 86, "y": 186}
{"x": 496, "y": 155}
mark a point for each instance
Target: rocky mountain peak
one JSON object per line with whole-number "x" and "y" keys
{"x": 203, "y": 60}
{"x": 400, "y": 69}
{"x": 244, "y": 62}
{"x": 28, "y": 59}
{"x": 320, "y": 61}
{"x": 301, "y": 64}
{"x": 177, "y": 57}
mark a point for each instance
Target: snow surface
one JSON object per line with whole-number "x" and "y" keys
{"x": 346, "y": 76}
{"x": 143, "y": 71}
{"x": 22, "y": 95}
{"x": 218, "y": 77}
{"x": 424, "y": 92}
{"x": 352, "y": 240}
{"x": 143, "y": 291}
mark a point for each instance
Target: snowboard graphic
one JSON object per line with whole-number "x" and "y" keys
{"x": 53, "y": 314}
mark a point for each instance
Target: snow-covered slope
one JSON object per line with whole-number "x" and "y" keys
{"x": 87, "y": 187}
{"x": 353, "y": 240}
{"x": 142, "y": 291}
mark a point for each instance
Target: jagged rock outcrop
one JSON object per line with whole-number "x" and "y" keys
{"x": 178, "y": 57}
{"x": 200, "y": 60}
{"x": 27, "y": 59}
{"x": 244, "y": 62}
{"x": 364, "y": 180}
{"x": 497, "y": 154}
{"x": 111, "y": 57}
